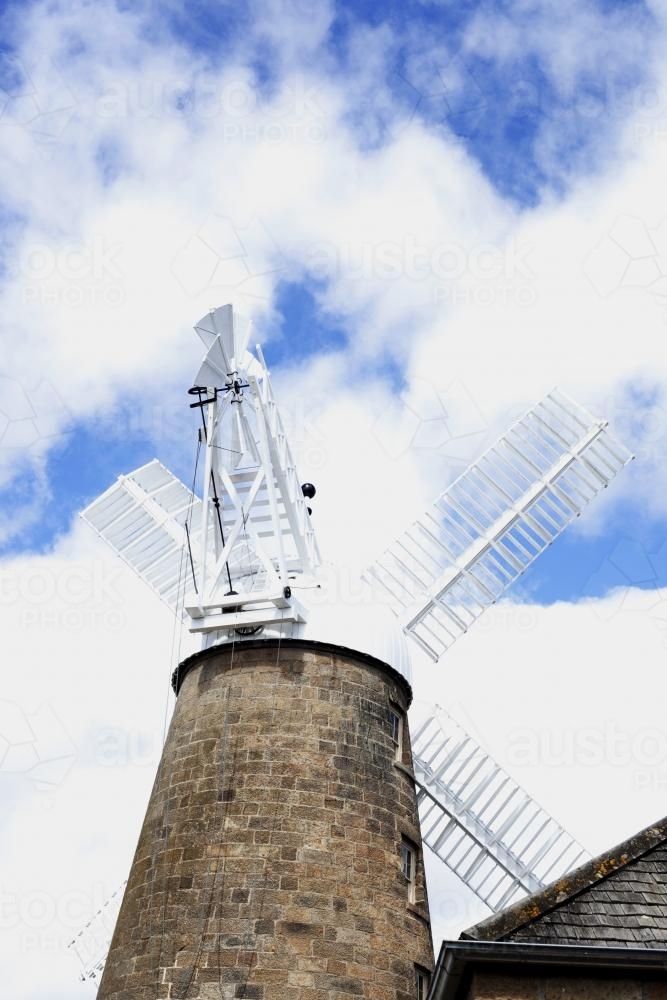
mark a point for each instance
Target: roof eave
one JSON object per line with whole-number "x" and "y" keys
{"x": 568, "y": 886}
{"x": 459, "y": 959}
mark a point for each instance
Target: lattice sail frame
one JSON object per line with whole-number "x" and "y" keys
{"x": 228, "y": 557}
{"x": 142, "y": 516}
{"x": 91, "y": 944}
{"x": 265, "y": 516}
{"x": 488, "y": 527}
{"x": 480, "y": 822}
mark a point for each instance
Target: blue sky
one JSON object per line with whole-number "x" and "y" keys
{"x": 436, "y": 72}
{"x": 434, "y": 213}
{"x": 456, "y": 76}
{"x": 498, "y": 111}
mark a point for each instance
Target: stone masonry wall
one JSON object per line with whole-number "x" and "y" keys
{"x": 269, "y": 862}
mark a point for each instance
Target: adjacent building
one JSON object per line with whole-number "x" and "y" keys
{"x": 599, "y": 933}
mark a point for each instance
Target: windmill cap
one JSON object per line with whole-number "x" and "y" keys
{"x": 353, "y": 620}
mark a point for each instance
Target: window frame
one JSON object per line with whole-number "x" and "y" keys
{"x": 409, "y": 854}
{"x": 422, "y": 982}
{"x": 397, "y": 725}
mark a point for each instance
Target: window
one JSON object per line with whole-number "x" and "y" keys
{"x": 396, "y": 733}
{"x": 422, "y": 980}
{"x": 407, "y": 861}
{"x": 409, "y": 867}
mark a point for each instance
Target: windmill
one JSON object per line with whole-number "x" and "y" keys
{"x": 240, "y": 565}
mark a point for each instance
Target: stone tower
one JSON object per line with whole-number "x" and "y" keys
{"x": 280, "y": 855}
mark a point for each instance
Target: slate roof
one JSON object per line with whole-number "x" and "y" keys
{"x": 618, "y": 899}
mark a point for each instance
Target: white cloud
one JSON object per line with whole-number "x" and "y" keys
{"x": 576, "y": 44}
{"x": 91, "y": 650}
{"x": 97, "y": 653}
{"x": 427, "y": 267}
{"x": 564, "y": 698}
{"x": 387, "y": 228}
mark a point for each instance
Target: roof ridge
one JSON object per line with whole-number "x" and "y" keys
{"x": 568, "y": 886}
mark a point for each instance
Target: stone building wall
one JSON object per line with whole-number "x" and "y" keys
{"x": 269, "y": 863}
{"x": 503, "y": 986}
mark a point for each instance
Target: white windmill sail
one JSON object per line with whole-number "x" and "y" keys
{"x": 480, "y": 822}
{"x": 238, "y": 548}
{"x": 91, "y": 944}
{"x": 231, "y": 329}
{"x": 487, "y": 528}
{"x": 229, "y": 557}
{"x": 252, "y": 497}
{"x": 142, "y": 516}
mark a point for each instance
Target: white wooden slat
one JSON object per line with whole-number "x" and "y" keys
{"x": 494, "y": 817}
{"x": 149, "y": 534}
{"x": 537, "y": 476}
{"x": 91, "y": 944}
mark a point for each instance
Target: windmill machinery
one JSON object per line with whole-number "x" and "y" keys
{"x": 241, "y": 561}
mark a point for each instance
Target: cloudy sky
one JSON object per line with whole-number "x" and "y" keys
{"x": 434, "y": 213}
